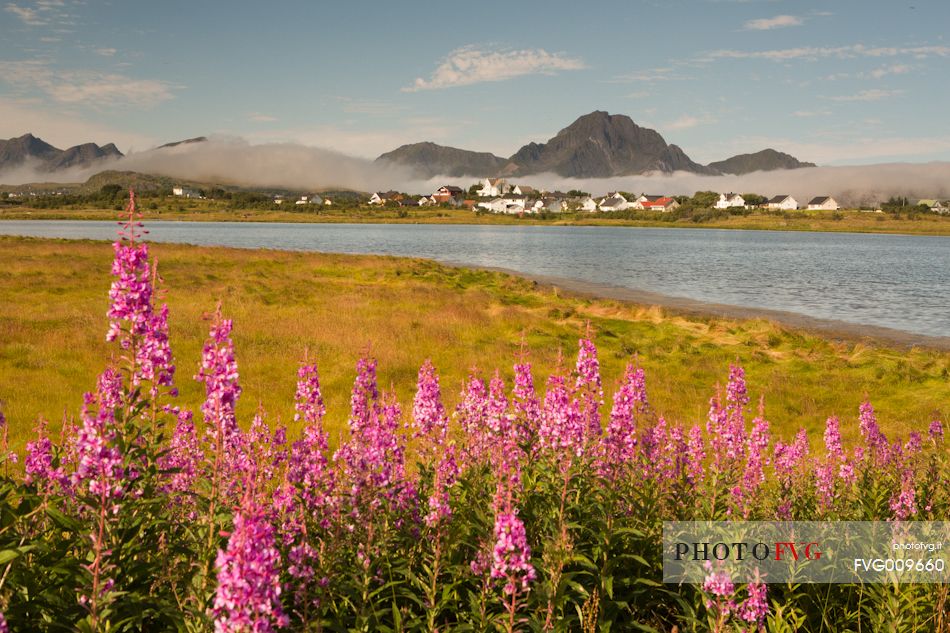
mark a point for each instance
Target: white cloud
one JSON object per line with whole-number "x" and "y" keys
{"x": 767, "y": 24}
{"x": 257, "y": 117}
{"x": 810, "y": 113}
{"x": 469, "y": 65}
{"x": 85, "y": 87}
{"x": 106, "y": 52}
{"x": 687, "y": 121}
{"x": 893, "y": 69}
{"x": 27, "y": 15}
{"x": 842, "y": 52}
{"x": 649, "y": 75}
{"x": 875, "y": 94}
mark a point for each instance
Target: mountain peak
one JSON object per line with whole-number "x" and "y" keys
{"x": 765, "y": 160}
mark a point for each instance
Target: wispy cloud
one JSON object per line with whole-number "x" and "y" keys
{"x": 106, "y": 52}
{"x": 257, "y": 117}
{"x": 687, "y": 121}
{"x": 874, "y": 94}
{"x": 893, "y": 69}
{"x": 821, "y": 52}
{"x": 85, "y": 87}
{"x": 27, "y": 15}
{"x": 810, "y": 113}
{"x": 470, "y": 65}
{"x": 649, "y": 75}
{"x": 767, "y": 24}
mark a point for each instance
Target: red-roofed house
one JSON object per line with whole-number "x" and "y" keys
{"x": 660, "y": 204}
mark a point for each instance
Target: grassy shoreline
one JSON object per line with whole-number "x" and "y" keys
{"x": 820, "y": 221}
{"x": 288, "y": 306}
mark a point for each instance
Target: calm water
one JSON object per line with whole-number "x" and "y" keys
{"x": 886, "y": 280}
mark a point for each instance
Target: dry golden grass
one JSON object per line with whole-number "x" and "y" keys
{"x": 332, "y": 308}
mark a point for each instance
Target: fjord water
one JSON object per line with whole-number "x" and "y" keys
{"x": 894, "y": 281}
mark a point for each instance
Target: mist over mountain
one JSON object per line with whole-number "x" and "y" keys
{"x": 766, "y": 160}
{"x": 28, "y": 149}
{"x": 428, "y": 160}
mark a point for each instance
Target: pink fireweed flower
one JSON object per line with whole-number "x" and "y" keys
{"x": 727, "y": 444}
{"x": 695, "y": 455}
{"x": 182, "y": 459}
{"x": 833, "y": 439}
{"x": 219, "y": 373}
{"x": 904, "y": 504}
{"x": 753, "y": 475}
{"x": 511, "y": 554}
{"x": 471, "y": 413}
{"x": 308, "y": 400}
{"x": 372, "y": 460}
{"x": 619, "y": 444}
{"x": 307, "y": 464}
{"x": 429, "y": 421}
{"x": 874, "y": 440}
{"x": 562, "y": 427}
{"x": 588, "y": 386}
{"x": 38, "y": 465}
{"x": 248, "y": 572}
{"x": 497, "y": 420}
{"x": 788, "y": 457}
{"x": 3, "y": 624}
{"x": 718, "y": 584}
{"x": 99, "y": 468}
{"x": 445, "y": 476}
{"x": 936, "y": 431}
{"x": 737, "y": 397}
{"x": 526, "y": 405}
{"x": 755, "y": 608}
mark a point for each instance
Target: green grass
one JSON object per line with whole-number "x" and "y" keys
{"x": 331, "y": 308}
{"x": 213, "y": 211}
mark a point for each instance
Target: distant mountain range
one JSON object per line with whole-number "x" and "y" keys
{"x": 16, "y": 152}
{"x": 596, "y": 145}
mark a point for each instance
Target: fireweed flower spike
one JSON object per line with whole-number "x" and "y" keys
{"x": 589, "y": 387}
{"x": 248, "y": 572}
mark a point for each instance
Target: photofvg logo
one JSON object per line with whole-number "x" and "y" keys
{"x": 806, "y": 551}
{"x": 739, "y": 551}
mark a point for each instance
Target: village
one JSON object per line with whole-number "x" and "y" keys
{"x": 497, "y": 195}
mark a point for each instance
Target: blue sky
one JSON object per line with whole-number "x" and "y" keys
{"x": 837, "y": 82}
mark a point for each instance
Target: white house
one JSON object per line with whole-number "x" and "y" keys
{"x": 585, "y": 203}
{"x": 554, "y": 205}
{"x": 937, "y": 206}
{"x": 183, "y": 192}
{"x": 614, "y": 202}
{"x": 314, "y": 199}
{"x": 730, "y": 200}
{"x": 493, "y": 187}
{"x": 523, "y": 190}
{"x": 377, "y": 198}
{"x": 783, "y": 202}
{"x": 512, "y": 206}
{"x": 823, "y": 203}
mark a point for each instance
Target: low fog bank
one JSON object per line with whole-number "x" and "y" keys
{"x": 293, "y": 166}
{"x": 864, "y": 185}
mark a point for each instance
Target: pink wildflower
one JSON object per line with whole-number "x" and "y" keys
{"x": 248, "y": 572}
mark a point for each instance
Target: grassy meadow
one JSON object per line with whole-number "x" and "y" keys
{"x": 194, "y": 210}
{"x": 291, "y": 306}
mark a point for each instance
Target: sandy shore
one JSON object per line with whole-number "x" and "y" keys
{"x": 828, "y": 328}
